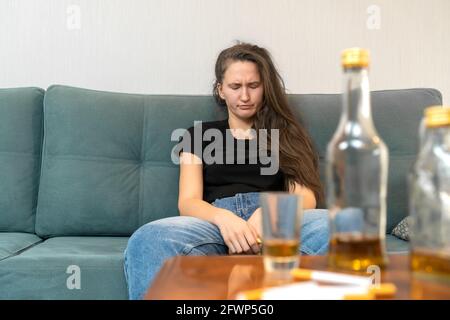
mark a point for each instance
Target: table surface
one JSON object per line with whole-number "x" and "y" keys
{"x": 222, "y": 277}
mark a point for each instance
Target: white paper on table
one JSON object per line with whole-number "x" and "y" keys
{"x": 309, "y": 290}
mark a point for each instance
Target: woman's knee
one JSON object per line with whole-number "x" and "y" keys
{"x": 146, "y": 251}
{"x": 143, "y": 239}
{"x": 152, "y": 233}
{"x": 171, "y": 236}
{"x": 315, "y": 232}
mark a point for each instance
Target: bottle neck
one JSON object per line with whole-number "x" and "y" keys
{"x": 357, "y": 113}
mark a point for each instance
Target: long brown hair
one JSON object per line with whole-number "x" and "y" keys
{"x": 297, "y": 158}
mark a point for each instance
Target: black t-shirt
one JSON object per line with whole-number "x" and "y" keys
{"x": 230, "y": 165}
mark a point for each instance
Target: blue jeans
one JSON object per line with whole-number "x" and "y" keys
{"x": 159, "y": 240}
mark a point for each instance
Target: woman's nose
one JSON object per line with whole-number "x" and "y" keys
{"x": 245, "y": 96}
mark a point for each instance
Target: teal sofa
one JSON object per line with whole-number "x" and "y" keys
{"x": 80, "y": 170}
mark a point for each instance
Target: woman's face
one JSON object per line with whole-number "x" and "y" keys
{"x": 242, "y": 89}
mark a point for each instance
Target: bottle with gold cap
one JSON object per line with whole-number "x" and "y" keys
{"x": 429, "y": 197}
{"x": 356, "y": 172}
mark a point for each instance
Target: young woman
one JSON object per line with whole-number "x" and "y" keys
{"x": 219, "y": 201}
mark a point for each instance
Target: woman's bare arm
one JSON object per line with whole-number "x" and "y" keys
{"x": 190, "y": 198}
{"x": 309, "y": 199}
{"x": 237, "y": 234}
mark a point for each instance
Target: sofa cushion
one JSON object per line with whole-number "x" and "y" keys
{"x": 54, "y": 268}
{"x": 396, "y": 113}
{"x": 12, "y": 243}
{"x": 395, "y": 245}
{"x": 20, "y": 151}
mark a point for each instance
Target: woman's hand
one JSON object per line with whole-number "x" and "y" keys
{"x": 256, "y": 222}
{"x": 239, "y": 236}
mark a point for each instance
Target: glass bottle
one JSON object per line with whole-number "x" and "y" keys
{"x": 356, "y": 172}
{"x": 429, "y": 197}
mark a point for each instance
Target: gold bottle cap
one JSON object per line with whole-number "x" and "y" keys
{"x": 437, "y": 116}
{"x": 360, "y": 296}
{"x": 355, "y": 58}
{"x": 383, "y": 290}
{"x": 301, "y": 274}
{"x": 255, "y": 294}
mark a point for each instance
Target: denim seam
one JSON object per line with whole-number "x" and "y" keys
{"x": 247, "y": 207}
{"x": 188, "y": 248}
{"x": 306, "y": 250}
{"x": 238, "y": 205}
{"x": 244, "y": 208}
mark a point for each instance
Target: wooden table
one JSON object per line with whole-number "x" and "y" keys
{"x": 222, "y": 277}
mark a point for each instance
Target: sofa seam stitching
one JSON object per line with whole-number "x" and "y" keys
{"x": 107, "y": 159}
{"x": 43, "y": 156}
{"x": 141, "y": 169}
{"x": 16, "y": 153}
{"x": 23, "y": 249}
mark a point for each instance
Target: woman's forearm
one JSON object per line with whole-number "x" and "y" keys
{"x": 200, "y": 209}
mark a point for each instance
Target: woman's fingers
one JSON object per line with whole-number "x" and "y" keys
{"x": 243, "y": 241}
{"x": 240, "y": 237}
{"x": 230, "y": 246}
{"x": 237, "y": 246}
{"x": 254, "y": 232}
{"x": 255, "y": 245}
{"x": 228, "y": 241}
{"x": 238, "y": 243}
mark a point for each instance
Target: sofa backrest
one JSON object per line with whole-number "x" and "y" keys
{"x": 20, "y": 155}
{"x": 107, "y": 168}
{"x": 397, "y": 115}
{"x": 107, "y": 165}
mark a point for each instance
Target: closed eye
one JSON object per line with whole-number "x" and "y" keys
{"x": 252, "y": 85}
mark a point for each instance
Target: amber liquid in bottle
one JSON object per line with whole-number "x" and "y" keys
{"x": 431, "y": 262}
{"x": 357, "y": 253}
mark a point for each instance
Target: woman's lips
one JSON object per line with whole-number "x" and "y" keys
{"x": 246, "y": 107}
